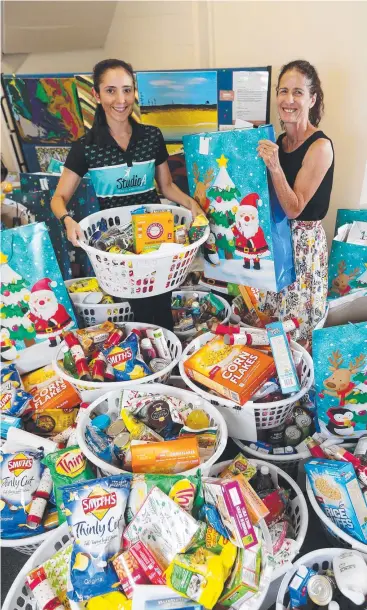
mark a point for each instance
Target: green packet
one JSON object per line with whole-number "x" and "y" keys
{"x": 187, "y": 491}
{"x": 67, "y": 466}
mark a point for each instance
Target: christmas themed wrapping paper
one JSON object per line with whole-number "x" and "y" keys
{"x": 73, "y": 262}
{"x": 250, "y": 241}
{"x": 35, "y": 305}
{"x": 348, "y": 261}
{"x": 340, "y": 359}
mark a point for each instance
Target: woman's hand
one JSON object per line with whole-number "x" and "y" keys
{"x": 269, "y": 153}
{"x": 194, "y": 208}
{"x": 73, "y": 230}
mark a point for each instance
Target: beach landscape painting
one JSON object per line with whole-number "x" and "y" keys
{"x": 179, "y": 103}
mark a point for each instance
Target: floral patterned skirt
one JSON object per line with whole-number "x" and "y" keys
{"x": 306, "y": 297}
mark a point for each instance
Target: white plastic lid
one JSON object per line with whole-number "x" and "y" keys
{"x": 146, "y": 343}
{"x": 264, "y": 470}
{"x": 333, "y": 605}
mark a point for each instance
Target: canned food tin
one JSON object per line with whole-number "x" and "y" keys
{"x": 303, "y": 422}
{"x": 320, "y": 589}
{"x": 158, "y": 364}
{"x": 116, "y": 428}
{"x": 292, "y": 435}
{"x": 121, "y": 444}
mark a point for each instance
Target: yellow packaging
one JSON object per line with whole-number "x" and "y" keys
{"x": 51, "y": 421}
{"x": 39, "y": 378}
{"x": 84, "y": 285}
{"x": 199, "y": 576}
{"x": 111, "y": 601}
{"x": 152, "y": 228}
{"x": 240, "y": 465}
{"x": 138, "y": 430}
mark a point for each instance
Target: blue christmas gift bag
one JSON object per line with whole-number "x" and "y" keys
{"x": 73, "y": 262}
{"x": 348, "y": 256}
{"x": 250, "y": 241}
{"x": 340, "y": 360}
{"x": 35, "y": 305}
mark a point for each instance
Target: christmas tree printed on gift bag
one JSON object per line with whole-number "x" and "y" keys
{"x": 14, "y": 302}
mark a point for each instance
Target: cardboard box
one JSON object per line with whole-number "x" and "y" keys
{"x": 152, "y": 229}
{"x": 235, "y": 372}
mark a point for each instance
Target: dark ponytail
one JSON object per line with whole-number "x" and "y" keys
{"x": 98, "y": 72}
{"x": 314, "y": 84}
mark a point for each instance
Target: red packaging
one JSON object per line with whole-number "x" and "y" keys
{"x": 98, "y": 367}
{"x": 129, "y": 572}
{"x": 78, "y": 356}
{"x": 114, "y": 339}
{"x": 148, "y": 563}
{"x": 276, "y": 504}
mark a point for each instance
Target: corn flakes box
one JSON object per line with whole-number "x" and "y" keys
{"x": 233, "y": 371}
{"x": 337, "y": 490}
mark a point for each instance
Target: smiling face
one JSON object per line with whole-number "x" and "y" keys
{"x": 293, "y": 98}
{"x": 116, "y": 94}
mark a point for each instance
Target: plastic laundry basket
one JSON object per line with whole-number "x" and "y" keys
{"x": 143, "y": 275}
{"x": 110, "y": 404}
{"x": 267, "y": 415}
{"x": 90, "y": 314}
{"x": 334, "y": 534}
{"x": 322, "y": 559}
{"x": 186, "y": 334}
{"x": 28, "y": 545}
{"x": 162, "y": 376}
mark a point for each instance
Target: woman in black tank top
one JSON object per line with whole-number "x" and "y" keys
{"x": 301, "y": 166}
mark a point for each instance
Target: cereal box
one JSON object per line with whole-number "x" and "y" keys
{"x": 337, "y": 490}
{"x": 233, "y": 371}
{"x": 152, "y": 229}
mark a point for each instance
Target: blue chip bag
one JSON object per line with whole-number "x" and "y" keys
{"x": 11, "y": 374}
{"x": 95, "y": 515}
{"x": 13, "y": 401}
{"x": 209, "y": 514}
{"x": 124, "y": 359}
{"x": 20, "y": 474}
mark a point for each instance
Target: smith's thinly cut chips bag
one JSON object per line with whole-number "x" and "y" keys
{"x": 95, "y": 515}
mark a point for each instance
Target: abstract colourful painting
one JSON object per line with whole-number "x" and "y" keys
{"x": 179, "y": 103}
{"x": 84, "y": 84}
{"x": 45, "y": 110}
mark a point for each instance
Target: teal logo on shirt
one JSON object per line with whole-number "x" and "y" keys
{"x": 120, "y": 180}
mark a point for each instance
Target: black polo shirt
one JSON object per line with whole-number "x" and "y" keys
{"x": 120, "y": 177}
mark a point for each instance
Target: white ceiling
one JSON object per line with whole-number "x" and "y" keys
{"x": 33, "y": 26}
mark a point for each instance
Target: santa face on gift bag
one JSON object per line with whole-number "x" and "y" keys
{"x": 49, "y": 317}
{"x": 249, "y": 236}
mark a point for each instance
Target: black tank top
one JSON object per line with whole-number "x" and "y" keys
{"x": 291, "y": 163}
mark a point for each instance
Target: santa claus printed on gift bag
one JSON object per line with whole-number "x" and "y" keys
{"x": 34, "y": 302}
{"x": 250, "y": 240}
{"x": 49, "y": 317}
{"x": 249, "y": 236}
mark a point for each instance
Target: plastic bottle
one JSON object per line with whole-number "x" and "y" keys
{"x": 147, "y": 350}
{"x": 263, "y": 481}
{"x": 350, "y": 571}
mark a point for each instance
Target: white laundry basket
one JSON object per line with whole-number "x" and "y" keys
{"x": 289, "y": 463}
{"x": 186, "y": 334}
{"x": 162, "y": 376}
{"x": 19, "y": 596}
{"x": 322, "y": 559}
{"x": 298, "y": 513}
{"x": 267, "y": 415}
{"x": 334, "y": 534}
{"x": 143, "y": 275}
{"x": 110, "y": 404}
{"x": 27, "y": 545}
{"x": 90, "y": 314}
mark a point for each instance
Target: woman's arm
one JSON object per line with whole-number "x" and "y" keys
{"x": 65, "y": 189}
{"x": 316, "y": 163}
{"x": 171, "y": 191}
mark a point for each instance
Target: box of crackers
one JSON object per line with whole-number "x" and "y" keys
{"x": 233, "y": 371}
{"x": 337, "y": 490}
{"x": 150, "y": 230}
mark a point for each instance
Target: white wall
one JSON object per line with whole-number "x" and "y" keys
{"x": 204, "y": 34}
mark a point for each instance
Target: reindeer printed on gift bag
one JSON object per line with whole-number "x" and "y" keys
{"x": 340, "y": 284}
{"x": 339, "y": 384}
{"x": 201, "y": 186}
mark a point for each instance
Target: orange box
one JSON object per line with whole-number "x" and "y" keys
{"x": 168, "y": 457}
{"x": 233, "y": 371}
{"x": 152, "y": 229}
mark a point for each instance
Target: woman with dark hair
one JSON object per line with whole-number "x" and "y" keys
{"x": 115, "y": 148}
{"x": 301, "y": 167}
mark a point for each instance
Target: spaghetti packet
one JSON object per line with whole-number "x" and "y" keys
{"x": 95, "y": 515}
